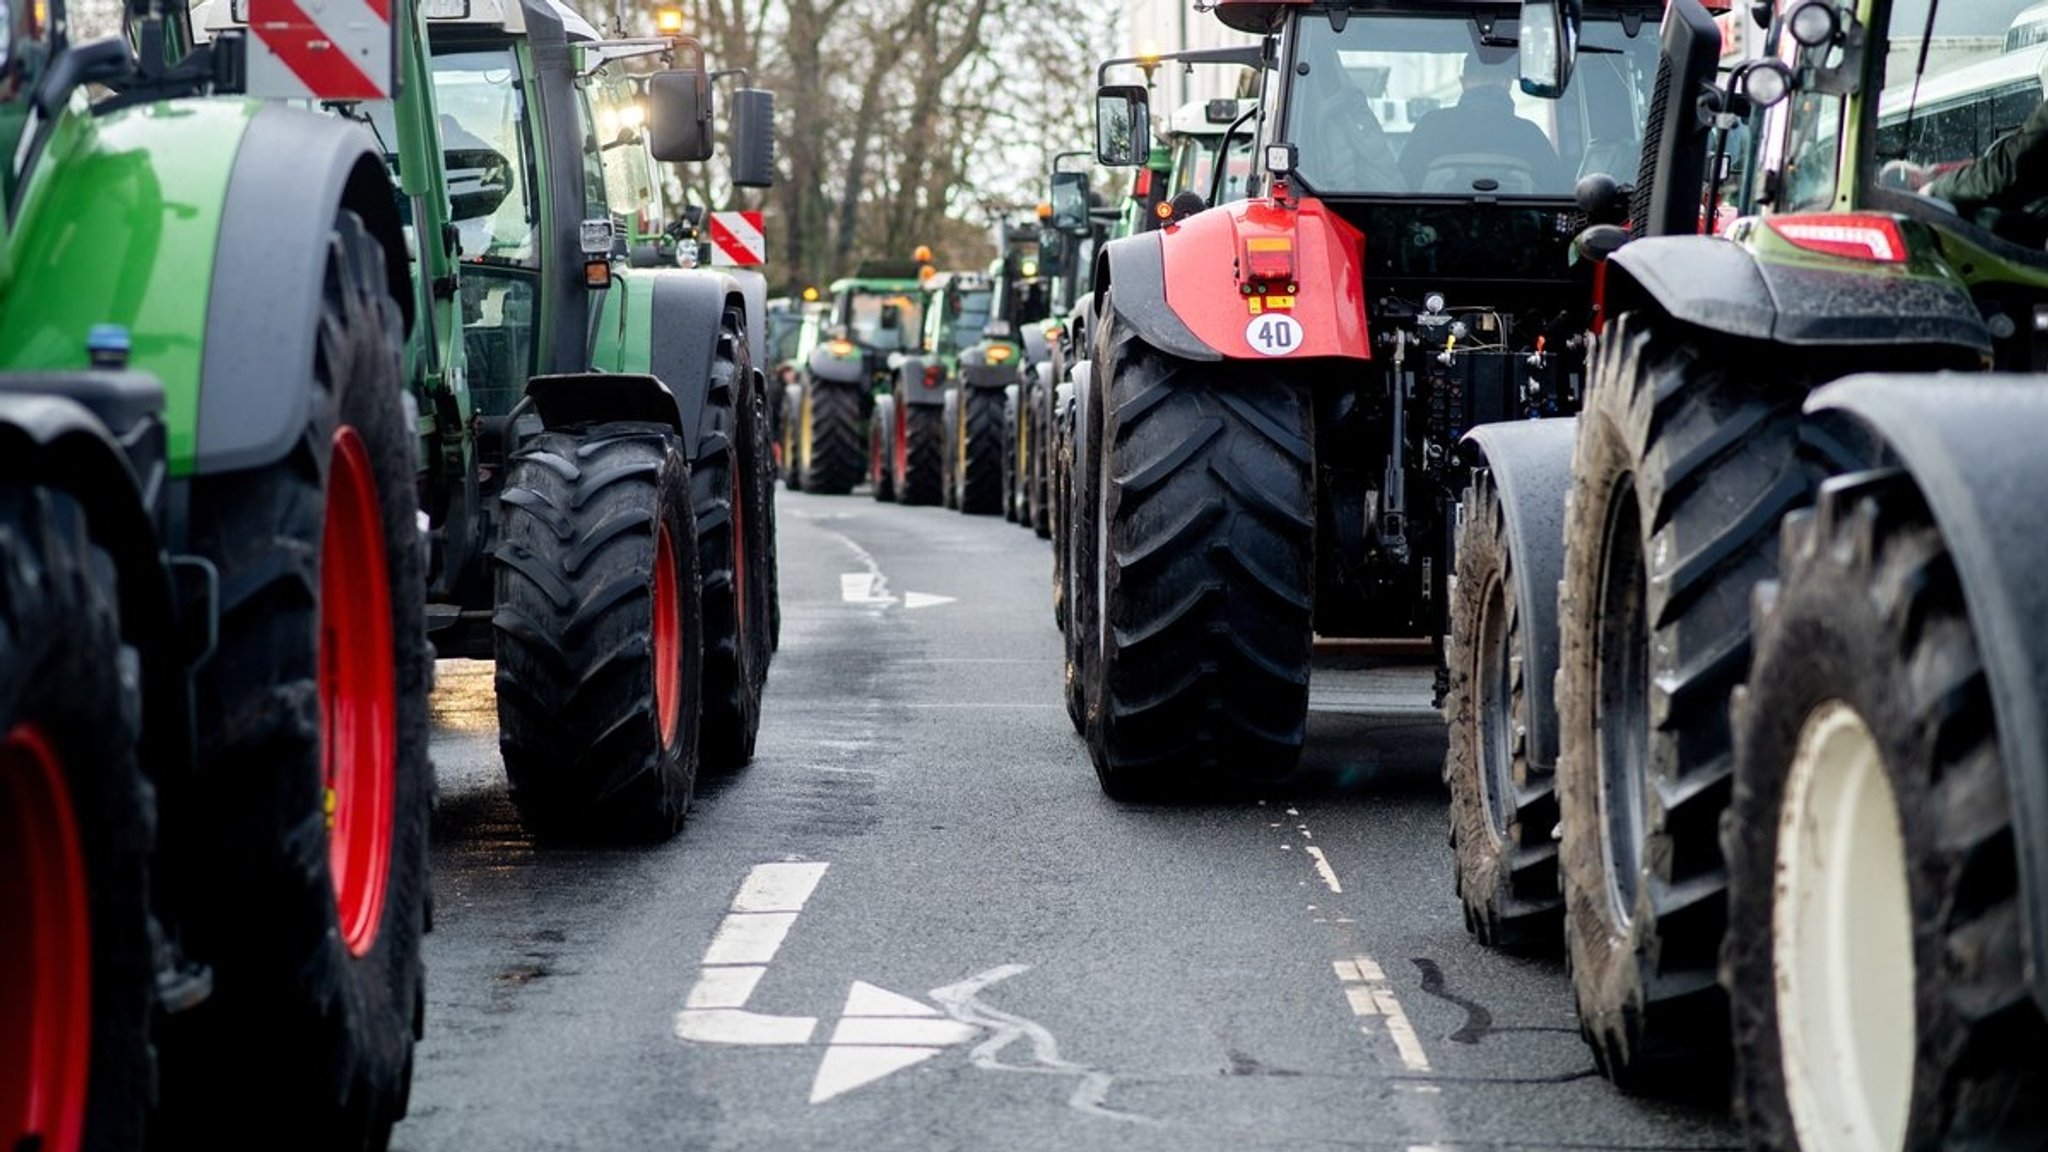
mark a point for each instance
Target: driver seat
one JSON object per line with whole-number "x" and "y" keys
{"x": 1457, "y": 172}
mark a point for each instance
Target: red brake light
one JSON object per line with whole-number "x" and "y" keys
{"x": 1853, "y": 237}
{"x": 1141, "y": 185}
{"x": 1269, "y": 259}
{"x": 931, "y": 375}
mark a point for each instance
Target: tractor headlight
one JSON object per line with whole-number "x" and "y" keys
{"x": 1814, "y": 23}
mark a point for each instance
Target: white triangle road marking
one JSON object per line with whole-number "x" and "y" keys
{"x": 858, "y": 1030}
{"x": 925, "y": 600}
{"x": 848, "y": 1066}
{"x": 864, "y": 999}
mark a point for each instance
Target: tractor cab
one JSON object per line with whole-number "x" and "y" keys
{"x": 957, "y": 305}
{"x": 876, "y": 314}
{"x": 1196, "y": 135}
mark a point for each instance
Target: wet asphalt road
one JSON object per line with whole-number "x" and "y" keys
{"x": 993, "y": 955}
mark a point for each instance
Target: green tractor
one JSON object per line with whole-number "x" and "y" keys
{"x": 1795, "y": 620}
{"x": 979, "y": 442}
{"x": 214, "y": 783}
{"x": 847, "y": 359}
{"x": 593, "y": 427}
{"x": 907, "y": 453}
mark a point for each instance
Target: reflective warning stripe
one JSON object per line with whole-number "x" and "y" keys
{"x": 737, "y": 239}
{"x": 341, "y": 53}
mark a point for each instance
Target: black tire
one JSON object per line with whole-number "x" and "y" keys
{"x": 729, "y": 551}
{"x": 1061, "y": 467}
{"x": 1083, "y": 537}
{"x": 1013, "y": 491}
{"x": 924, "y": 435}
{"x": 1038, "y": 470}
{"x": 1503, "y": 808}
{"x": 1687, "y": 451}
{"x": 832, "y": 440}
{"x": 768, "y": 572}
{"x": 881, "y": 450}
{"x": 327, "y": 1034}
{"x": 1200, "y": 674}
{"x": 587, "y": 752}
{"x": 1870, "y": 614}
{"x": 791, "y": 427}
{"x": 67, "y": 680}
{"x": 978, "y": 446}
{"x": 949, "y": 449}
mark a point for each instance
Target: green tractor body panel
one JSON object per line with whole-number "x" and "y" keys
{"x": 117, "y": 223}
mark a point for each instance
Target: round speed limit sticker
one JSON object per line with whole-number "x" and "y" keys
{"x": 1275, "y": 334}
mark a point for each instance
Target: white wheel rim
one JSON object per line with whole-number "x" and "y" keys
{"x": 1841, "y": 927}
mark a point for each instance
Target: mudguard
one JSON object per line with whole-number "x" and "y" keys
{"x": 1531, "y": 463}
{"x": 1719, "y": 285}
{"x": 568, "y": 398}
{"x": 754, "y": 290}
{"x": 1973, "y": 446}
{"x": 835, "y": 369}
{"x": 294, "y": 171}
{"x": 1183, "y": 288}
{"x": 910, "y": 380}
{"x": 1036, "y": 346}
{"x": 977, "y": 372}
{"x": 685, "y": 317}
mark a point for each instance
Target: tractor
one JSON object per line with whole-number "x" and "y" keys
{"x": 572, "y": 390}
{"x": 847, "y": 359}
{"x": 975, "y": 463}
{"x": 214, "y": 669}
{"x": 906, "y": 457}
{"x": 1794, "y": 612}
{"x": 1267, "y": 431}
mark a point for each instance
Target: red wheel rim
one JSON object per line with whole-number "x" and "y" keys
{"x": 668, "y": 638}
{"x": 358, "y": 694}
{"x": 46, "y": 987}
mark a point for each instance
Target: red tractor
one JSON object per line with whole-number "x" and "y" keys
{"x": 1272, "y": 423}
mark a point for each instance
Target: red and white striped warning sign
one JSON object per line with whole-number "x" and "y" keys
{"x": 736, "y": 239}
{"x": 320, "y": 49}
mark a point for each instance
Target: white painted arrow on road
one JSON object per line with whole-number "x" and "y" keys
{"x": 925, "y": 600}
{"x": 881, "y": 1032}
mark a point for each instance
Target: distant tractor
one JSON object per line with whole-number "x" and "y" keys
{"x": 980, "y": 444}
{"x": 907, "y": 462}
{"x": 875, "y": 315}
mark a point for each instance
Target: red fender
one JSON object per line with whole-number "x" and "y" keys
{"x": 1229, "y": 267}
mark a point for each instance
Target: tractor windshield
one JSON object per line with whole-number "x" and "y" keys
{"x": 966, "y": 312}
{"x": 484, "y": 134}
{"x": 886, "y": 321}
{"x": 1429, "y": 105}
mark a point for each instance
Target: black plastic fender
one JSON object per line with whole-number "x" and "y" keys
{"x": 1130, "y": 276}
{"x": 295, "y": 169}
{"x": 910, "y": 382}
{"x": 566, "y": 398}
{"x": 827, "y": 367}
{"x": 1036, "y": 347}
{"x": 1973, "y": 446}
{"x": 986, "y": 375}
{"x": 1081, "y": 390}
{"x": 688, "y": 312}
{"x": 1718, "y": 285}
{"x": 1531, "y": 463}
{"x": 753, "y": 288}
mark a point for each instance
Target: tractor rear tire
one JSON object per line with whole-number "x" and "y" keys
{"x": 729, "y": 552}
{"x": 924, "y": 434}
{"x": 315, "y": 998}
{"x": 599, "y": 634}
{"x": 76, "y": 824}
{"x": 1038, "y": 469}
{"x": 881, "y": 450}
{"x": 1013, "y": 491}
{"x": 1083, "y": 544}
{"x": 830, "y": 439}
{"x": 1869, "y": 623}
{"x": 791, "y": 431}
{"x": 979, "y": 463}
{"x": 1686, "y": 456}
{"x": 1503, "y": 808}
{"x": 949, "y": 449}
{"x": 1200, "y": 674}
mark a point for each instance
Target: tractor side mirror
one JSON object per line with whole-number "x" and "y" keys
{"x": 679, "y": 114}
{"x": 753, "y": 138}
{"x": 1070, "y": 202}
{"x": 1123, "y": 125}
{"x": 1549, "y": 46}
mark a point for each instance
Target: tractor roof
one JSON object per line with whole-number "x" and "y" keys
{"x": 1260, "y": 16}
{"x": 1207, "y": 117}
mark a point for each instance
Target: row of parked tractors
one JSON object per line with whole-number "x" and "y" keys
{"x": 1701, "y": 451}
{"x": 324, "y": 352}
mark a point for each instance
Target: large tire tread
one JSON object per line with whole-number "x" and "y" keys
{"x": 837, "y": 442}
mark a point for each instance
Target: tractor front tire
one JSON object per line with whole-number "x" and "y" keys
{"x": 735, "y": 633}
{"x": 791, "y": 431}
{"x": 882, "y": 450}
{"x": 1199, "y": 677}
{"x": 305, "y": 827}
{"x": 1503, "y": 809}
{"x": 1874, "y": 961}
{"x": 922, "y": 434}
{"x": 599, "y": 634}
{"x": 1686, "y": 456}
{"x": 979, "y": 443}
{"x": 76, "y": 820}
{"x": 830, "y": 440}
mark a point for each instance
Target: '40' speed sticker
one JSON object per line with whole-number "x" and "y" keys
{"x": 1275, "y": 334}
